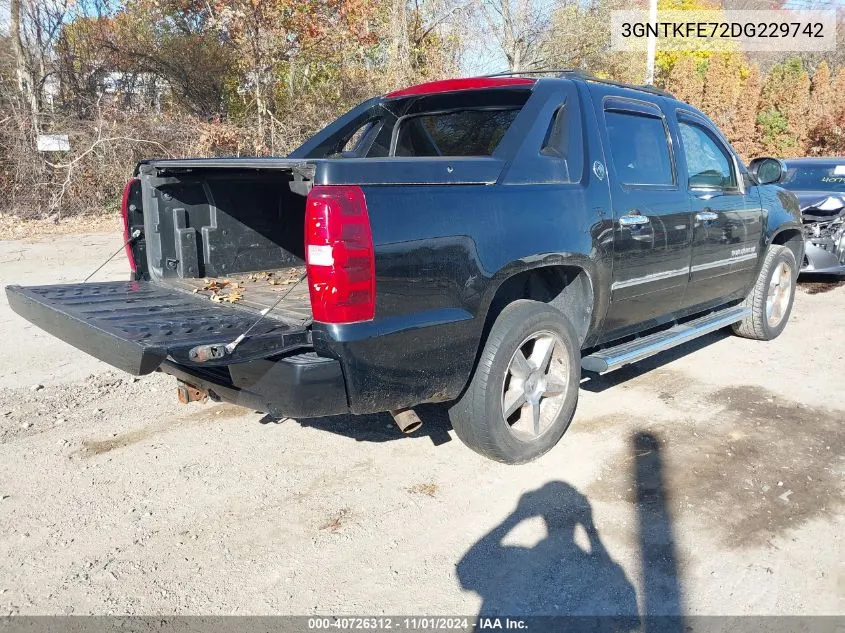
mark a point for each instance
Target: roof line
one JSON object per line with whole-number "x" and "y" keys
{"x": 581, "y": 74}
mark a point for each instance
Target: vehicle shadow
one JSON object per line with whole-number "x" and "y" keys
{"x": 815, "y": 283}
{"x": 379, "y": 427}
{"x": 597, "y": 383}
{"x": 568, "y": 580}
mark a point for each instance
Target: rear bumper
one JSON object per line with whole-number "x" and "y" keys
{"x": 299, "y": 386}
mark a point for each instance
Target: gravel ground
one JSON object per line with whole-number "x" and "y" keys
{"x": 708, "y": 480}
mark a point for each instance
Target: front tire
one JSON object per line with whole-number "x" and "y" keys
{"x": 523, "y": 393}
{"x": 771, "y": 298}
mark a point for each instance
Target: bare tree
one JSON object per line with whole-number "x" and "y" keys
{"x": 34, "y": 26}
{"x": 518, "y": 28}
{"x": 23, "y": 72}
{"x": 579, "y": 37}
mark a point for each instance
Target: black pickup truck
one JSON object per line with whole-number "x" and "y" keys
{"x": 476, "y": 242}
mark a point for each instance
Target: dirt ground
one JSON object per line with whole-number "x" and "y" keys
{"x": 708, "y": 480}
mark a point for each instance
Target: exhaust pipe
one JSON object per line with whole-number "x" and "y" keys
{"x": 407, "y": 420}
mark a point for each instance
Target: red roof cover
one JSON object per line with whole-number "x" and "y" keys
{"x": 452, "y": 85}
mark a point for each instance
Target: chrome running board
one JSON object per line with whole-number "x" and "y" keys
{"x": 611, "y": 358}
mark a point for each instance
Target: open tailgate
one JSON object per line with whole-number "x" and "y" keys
{"x": 135, "y": 325}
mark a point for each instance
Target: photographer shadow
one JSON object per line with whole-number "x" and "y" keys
{"x": 556, "y": 577}
{"x": 569, "y": 577}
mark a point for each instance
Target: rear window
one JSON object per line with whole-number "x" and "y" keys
{"x": 471, "y": 132}
{"x": 450, "y": 124}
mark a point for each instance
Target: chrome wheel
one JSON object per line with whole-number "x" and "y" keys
{"x": 780, "y": 291}
{"x": 535, "y": 385}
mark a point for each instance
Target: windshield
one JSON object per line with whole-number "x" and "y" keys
{"x": 825, "y": 177}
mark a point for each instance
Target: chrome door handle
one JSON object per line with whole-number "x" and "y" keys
{"x": 633, "y": 219}
{"x": 706, "y": 216}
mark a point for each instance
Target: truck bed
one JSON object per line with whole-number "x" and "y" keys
{"x": 258, "y": 291}
{"x": 230, "y": 236}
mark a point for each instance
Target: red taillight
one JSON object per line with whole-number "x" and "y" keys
{"x": 124, "y": 209}
{"x": 339, "y": 255}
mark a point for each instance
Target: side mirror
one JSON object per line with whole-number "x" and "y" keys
{"x": 767, "y": 170}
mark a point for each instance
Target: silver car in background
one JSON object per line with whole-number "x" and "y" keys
{"x": 819, "y": 184}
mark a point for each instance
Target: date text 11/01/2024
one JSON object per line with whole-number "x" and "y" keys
{"x": 418, "y": 623}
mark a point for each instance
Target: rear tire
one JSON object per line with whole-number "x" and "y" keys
{"x": 771, "y": 298}
{"x": 524, "y": 391}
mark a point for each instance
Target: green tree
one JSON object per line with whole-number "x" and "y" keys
{"x": 579, "y": 37}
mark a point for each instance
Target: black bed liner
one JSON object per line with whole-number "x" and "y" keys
{"x": 288, "y": 299}
{"x": 135, "y": 325}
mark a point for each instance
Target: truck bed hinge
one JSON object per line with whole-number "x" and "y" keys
{"x": 301, "y": 183}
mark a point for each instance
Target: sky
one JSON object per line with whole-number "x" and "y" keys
{"x": 483, "y": 60}
{"x": 483, "y": 57}
{"x": 4, "y": 16}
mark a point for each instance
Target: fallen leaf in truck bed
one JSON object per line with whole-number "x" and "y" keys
{"x": 215, "y": 284}
{"x": 281, "y": 282}
{"x": 234, "y": 296}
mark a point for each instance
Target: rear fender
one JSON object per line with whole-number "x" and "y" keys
{"x": 581, "y": 298}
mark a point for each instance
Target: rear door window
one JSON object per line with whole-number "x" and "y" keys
{"x": 640, "y": 148}
{"x": 467, "y": 132}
